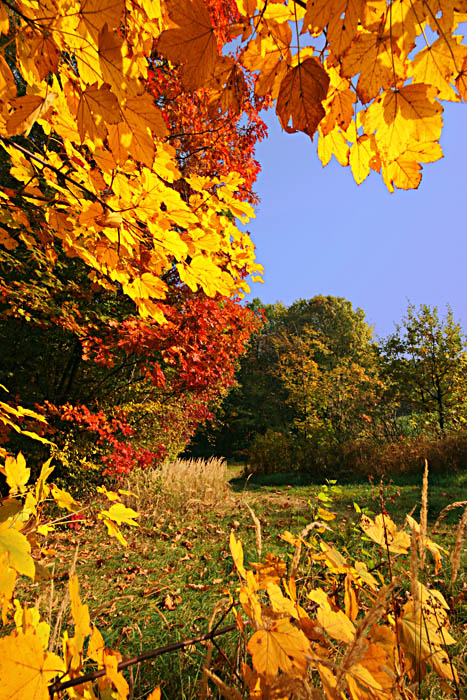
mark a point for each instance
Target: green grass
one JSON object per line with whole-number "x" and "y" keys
{"x": 164, "y": 586}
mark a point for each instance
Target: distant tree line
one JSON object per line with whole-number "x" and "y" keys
{"x": 315, "y": 390}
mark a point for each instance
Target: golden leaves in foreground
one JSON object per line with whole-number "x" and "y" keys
{"x": 25, "y": 668}
{"x": 361, "y": 637}
{"x": 281, "y": 646}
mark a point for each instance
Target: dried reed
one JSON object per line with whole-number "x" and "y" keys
{"x": 423, "y": 518}
{"x": 445, "y": 511}
{"x": 259, "y": 547}
{"x": 456, "y": 554}
{"x": 357, "y": 650}
{"x": 184, "y": 485}
{"x": 414, "y": 569}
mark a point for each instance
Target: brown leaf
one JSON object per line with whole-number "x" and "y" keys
{"x": 300, "y": 97}
{"x": 26, "y": 110}
{"x": 171, "y": 602}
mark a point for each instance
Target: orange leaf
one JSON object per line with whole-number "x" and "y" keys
{"x": 26, "y": 110}
{"x": 300, "y": 97}
{"x": 193, "y": 43}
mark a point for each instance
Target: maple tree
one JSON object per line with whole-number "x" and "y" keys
{"x": 138, "y": 387}
{"x": 89, "y": 382}
{"x": 80, "y": 124}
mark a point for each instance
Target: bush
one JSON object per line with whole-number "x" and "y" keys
{"x": 271, "y": 453}
{"x": 276, "y": 452}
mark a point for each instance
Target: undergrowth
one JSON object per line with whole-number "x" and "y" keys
{"x": 178, "y": 567}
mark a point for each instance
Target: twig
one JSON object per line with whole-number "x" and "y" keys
{"x": 58, "y": 686}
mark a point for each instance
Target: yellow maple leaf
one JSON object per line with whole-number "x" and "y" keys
{"x": 117, "y": 678}
{"x": 269, "y": 55}
{"x": 121, "y": 514}
{"x": 27, "y": 109}
{"x": 363, "y": 156}
{"x": 282, "y": 646}
{"x": 404, "y": 117}
{"x": 18, "y": 549}
{"x": 373, "y": 59}
{"x": 423, "y": 638}
{"x": 96, "y": 106}
{"x": 300, "y": 97}
{"x": 111, "y": 495}
{"x": 339, "y": 103}
{"x": 25, "y": 668}
{"x": 96, "y": 647}
{"x": 7, "y": 81}
{"x": 249, "y": 600}
{"x": 432, "y": 547}
{"x": 192, "y": 43}
{"x": 280, "y": 13}
{"x": 114, "y": 531}
{"x": 63, "y": 499}
{"x": 28, "y": 620}
{"x": 236, "y": 549}
{"x": 17, "y": 473}
{"x": 42, "y": 489}
{"x": 384, "y": 531}
{"x": 439, "y": 64}
{"x": 336, "y": 624}
{"x": 343, "y": 24}
{"x": 7, "y": 585}
{"x": 334, "y": 559}
{"x": 94, "y": 14}
{"x": 279, "y": 602}
{"x": 79, "y": 612}
{"x": 403, "y": 173}
{"x": 4, "y": 19}
{"x": 350, "y": 599}
{"x": 110, "y": 50}
{"x": 333, "y": 143}
{"x": 141, "y": 110}
{"x": 119, "y": 139}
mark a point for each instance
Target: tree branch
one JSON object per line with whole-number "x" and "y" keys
{"x": 59, "y": 686}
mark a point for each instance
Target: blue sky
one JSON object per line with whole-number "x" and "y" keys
{"x": 317, "y": 232}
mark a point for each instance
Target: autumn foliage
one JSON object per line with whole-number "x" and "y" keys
{"x": 127, "y": 130}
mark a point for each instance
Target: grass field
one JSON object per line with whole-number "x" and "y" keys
{"x": 164, "y": 586}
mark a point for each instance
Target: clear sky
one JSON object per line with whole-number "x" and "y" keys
{"x": 317, "y": 232}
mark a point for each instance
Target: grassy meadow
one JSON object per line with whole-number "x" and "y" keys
{"x": 177, "y": 567}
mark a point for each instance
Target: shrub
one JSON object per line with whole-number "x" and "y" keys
{"x": 276, "y": 452}
{"x": 271, "y": 453}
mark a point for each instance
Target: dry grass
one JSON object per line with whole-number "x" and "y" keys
{"x": 456, "y": 554}
{"x": 183, "y": 485}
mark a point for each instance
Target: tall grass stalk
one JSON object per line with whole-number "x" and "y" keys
{"x": 183, "y": 485}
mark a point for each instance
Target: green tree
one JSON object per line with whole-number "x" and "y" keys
{"x": 310, "y": 373}
{"x": 427, "y": 361}
{"x": 330, "y": 371}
